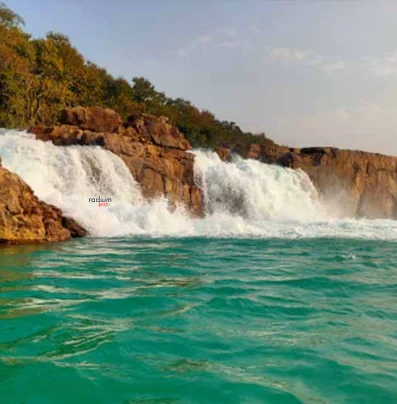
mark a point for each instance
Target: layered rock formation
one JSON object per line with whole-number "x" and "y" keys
{"x": 155, "y": 152}
{"x": 354, "y": 183}
{"x": 24, "y": 219}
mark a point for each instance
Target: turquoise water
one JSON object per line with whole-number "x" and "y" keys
{"x": 199, "y": 320}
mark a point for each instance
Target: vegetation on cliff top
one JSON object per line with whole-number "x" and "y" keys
{"x": 40, "y": 77}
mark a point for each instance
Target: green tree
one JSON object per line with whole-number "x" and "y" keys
{"x": 40, "y": 77}
{"x": 8, "y": 18}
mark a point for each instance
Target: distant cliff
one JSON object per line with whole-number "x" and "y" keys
{"x": 354, "y": 183}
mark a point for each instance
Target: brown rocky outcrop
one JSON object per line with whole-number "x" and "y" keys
{"x": 24, "y": 219}
{"x": 155, "y": 152}
{"x": 355, "y": 183}
{"x": 96, "y": 119}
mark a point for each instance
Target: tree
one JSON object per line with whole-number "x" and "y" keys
{"x": 120, "y": 97}
{"x": 8, "y": 18}
{"x": 143, "y": 90}
{"x": 40, "y": 77}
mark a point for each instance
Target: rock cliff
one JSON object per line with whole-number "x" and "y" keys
{"x": 354, "y": 183}
{"x": 155, "y": 152}
{"x": 24, "y": 219}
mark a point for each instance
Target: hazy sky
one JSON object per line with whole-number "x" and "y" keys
{"x": 305, "y": 72}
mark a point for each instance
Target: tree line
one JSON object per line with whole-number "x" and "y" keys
{"x": 40, "y": 77}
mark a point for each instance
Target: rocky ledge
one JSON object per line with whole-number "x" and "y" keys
{"x": 354, "y": 183}
{"x": 155, "y": 152}
{"x": 24, "y": 219}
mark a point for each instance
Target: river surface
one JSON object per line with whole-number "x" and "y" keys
{"x": 199, "y": 320}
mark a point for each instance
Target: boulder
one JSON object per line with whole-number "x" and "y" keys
{"x": 163, "y": 134}
{"x": 24, "y": 219}
{"x": 96, "y": 119}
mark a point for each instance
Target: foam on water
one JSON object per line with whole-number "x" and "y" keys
{"x": 243, "y": 198}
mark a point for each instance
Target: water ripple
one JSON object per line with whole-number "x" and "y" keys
{"x": 199, "y": 321}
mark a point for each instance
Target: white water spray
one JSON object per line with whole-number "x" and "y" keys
{"x": 244, "y": 198}
{"x": 256, "y": 191}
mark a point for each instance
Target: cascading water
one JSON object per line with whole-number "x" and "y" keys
{"x": 256, "y": 191}
{"x": 244, "y": 198}
{"x": 68, "y": 177}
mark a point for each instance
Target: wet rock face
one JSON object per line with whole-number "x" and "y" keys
{"x": 155, "y": 152}
{"x": 356, "y": 183}
{"x": 224, "y": 153}
{"x": 24, "y": 219}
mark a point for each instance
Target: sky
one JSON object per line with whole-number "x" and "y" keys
{"x": 307, "y": 73}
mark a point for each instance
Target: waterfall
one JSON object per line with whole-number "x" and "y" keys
{"x": 243, "y": 198}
